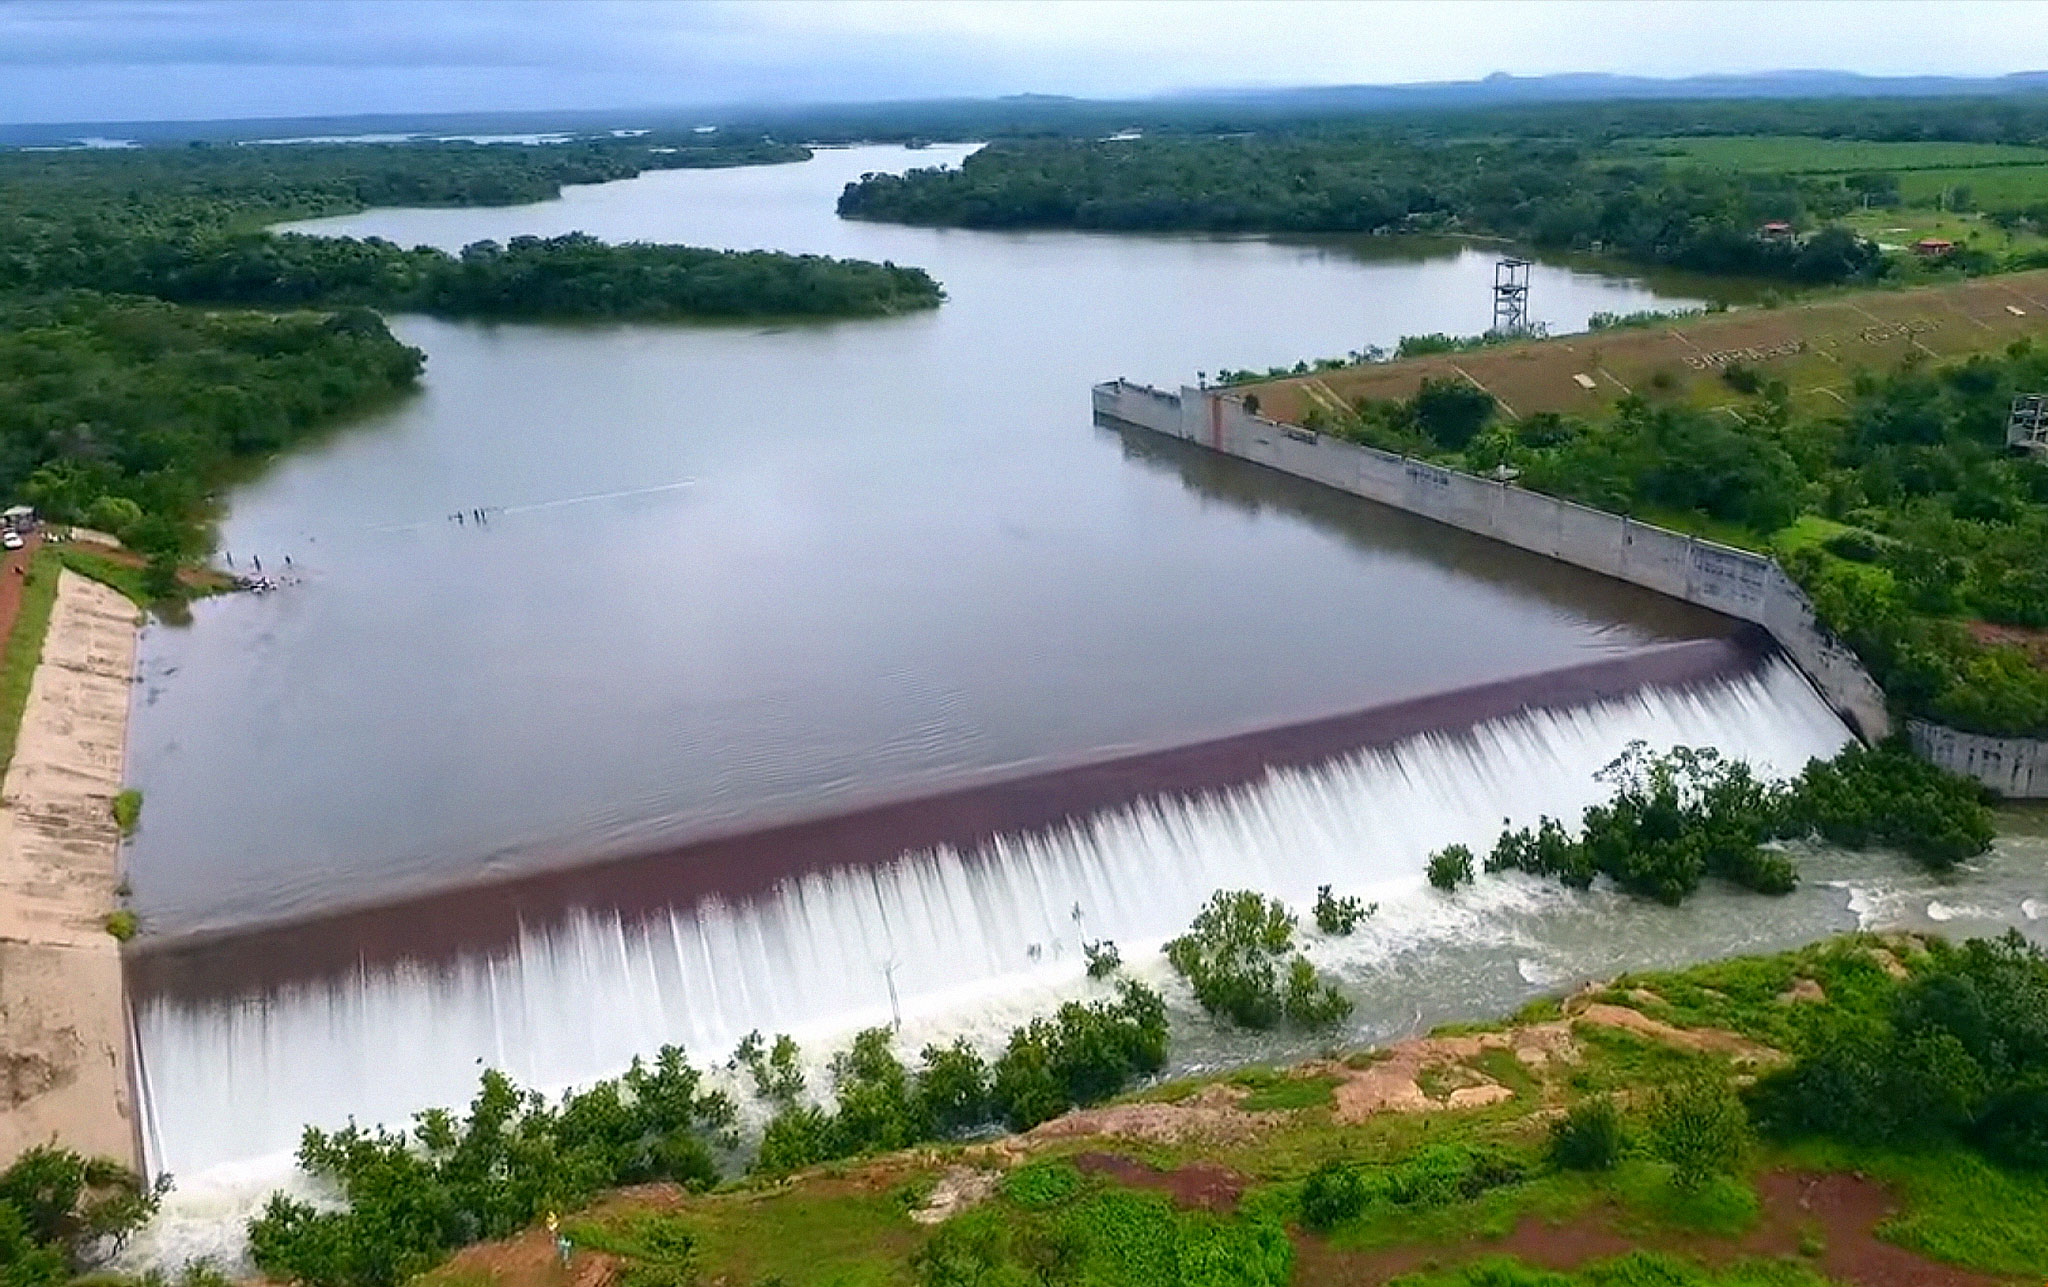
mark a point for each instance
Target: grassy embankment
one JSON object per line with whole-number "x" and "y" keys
{"x": 1205, "y": 1181}
{"x": 25, "y": 647}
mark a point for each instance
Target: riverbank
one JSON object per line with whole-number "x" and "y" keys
{"x": 64, "y": 1050}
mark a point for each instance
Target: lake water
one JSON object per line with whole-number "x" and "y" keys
{"x": 739, "y": 571}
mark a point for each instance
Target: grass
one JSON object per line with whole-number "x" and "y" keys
{"x": 1271, "y": 1092}
{"x": 25, "y": 648}
{"x": 1990, "y": 188}
{"x": 1637, "y": 1269}
{"x": 829, "y": 1233}
{"x": 1815, "y": 346}
{"x": 1800, "y": 154}
{"x": 117, "y": 574}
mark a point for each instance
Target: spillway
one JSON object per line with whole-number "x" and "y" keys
{"x": 966, "y": 938}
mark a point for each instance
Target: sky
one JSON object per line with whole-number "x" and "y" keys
{"x": 112, "y": 60}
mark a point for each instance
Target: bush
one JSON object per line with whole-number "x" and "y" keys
{"x": 121, "y": 924}
{"x": 127, "y": 808}
{"x": 777, "y": 1073}
{"x": 1889, "y": 796}
{"x": 1958, "y": 1052}
{"x": 1340, "y": 916}
{"x": 1103, "y": 959}
{"x": 1699, "y": 1127}
{"x": 1451, "y": 412}
{"x": 62, "y": 1214}
{"x": 1082, "y": 1055}
{"x": 1672, "y": 820}
{"x": 1333, "y": 1193}
{"x": 1232, "y": 957}
{"x": 1450, "y": 867}
{"x": 1588, "y": 1138}
{"x": 1042, "y": 1184}
{"x": 413, "y": 1197}
{"x": 953, "y": 1088}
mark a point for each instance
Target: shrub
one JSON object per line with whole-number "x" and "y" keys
{"x": 953, "y": 1087}
{"x": 1588, "y": 1138}
{"x": 412, "y": 1197}
{"x": 1042, "y": 1184}
{"x": 1699, "y": 1127}
{"x": 1450, "y": 867}
{"x": 127, "y": 807}
{"x": 777, "y": 1073}
{"x": 1451, "y": 412}
{"x": 62, "y": 1213}
{"x": 121, "y": 924}
{"x": 1103, "y": 959}
{"x": 1340, "y": 916}
{"x": 1083, "y": 1054}
{"x": 1333, "y": 1193}
{"x": 1889, "y": 796}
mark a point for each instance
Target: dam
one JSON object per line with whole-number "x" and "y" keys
{"x": 865, "y": 680}
{"x": 560, "y": 980}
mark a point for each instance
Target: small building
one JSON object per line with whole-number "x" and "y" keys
{"x": 18, "y": 518}
{"x": 1775, "y": 230}
{"x": 1933, "y": 247}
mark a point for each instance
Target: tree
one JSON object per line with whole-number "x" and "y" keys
{"x": 1451, "y": 412}
{"x": 1339, "y": 916}
{"x": 1450, "y": 867}
{"x": 1232, "y": 956}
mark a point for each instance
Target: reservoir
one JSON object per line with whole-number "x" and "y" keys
{"x": 737, "y": 572}
{"x": 735, "y": 578}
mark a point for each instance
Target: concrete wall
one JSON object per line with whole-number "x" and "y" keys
{"x": 2012, "y": 766}
{"x": 1735, "y": 582}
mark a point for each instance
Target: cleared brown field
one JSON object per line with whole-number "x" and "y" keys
{"x": 1813, "y": 347}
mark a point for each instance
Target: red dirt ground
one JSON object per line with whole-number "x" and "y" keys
{"x": 1843, "y": 1210}
{"x": 1201, "y": 1185}
{"x": 11, "y": 578}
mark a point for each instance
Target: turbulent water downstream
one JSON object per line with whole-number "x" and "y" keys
{"x": 742, "y": 577}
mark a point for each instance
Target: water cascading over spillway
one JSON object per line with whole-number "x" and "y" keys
{"x": 964, "y": 941}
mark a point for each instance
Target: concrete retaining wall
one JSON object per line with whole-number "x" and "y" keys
{"x": 1735, "y": 582}
{"x": 2012, "y": 766}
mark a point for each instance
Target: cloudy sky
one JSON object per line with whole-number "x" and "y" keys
{"x": 85, "y": 60}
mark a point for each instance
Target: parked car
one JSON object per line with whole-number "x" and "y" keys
{"x": 11, "y": 540}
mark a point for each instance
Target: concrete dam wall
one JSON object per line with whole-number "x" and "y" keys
{"x": 1749, "y": 587}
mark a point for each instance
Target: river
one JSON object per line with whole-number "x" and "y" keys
{"x": 735, "y": 575}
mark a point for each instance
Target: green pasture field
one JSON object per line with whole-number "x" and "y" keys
{"x": 1795, "y": 154}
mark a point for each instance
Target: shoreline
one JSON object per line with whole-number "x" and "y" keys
{"x": 65, "y": 1058}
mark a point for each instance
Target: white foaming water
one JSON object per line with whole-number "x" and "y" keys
{"x": 972, "y": 943}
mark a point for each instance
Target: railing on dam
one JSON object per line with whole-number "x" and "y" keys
{"x": 1738, "y": 583}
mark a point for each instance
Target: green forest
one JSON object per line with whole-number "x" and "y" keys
{"x": 1549, "y": 194}
{"x": 187, "y": 224}
{"x": 153, "y": 335}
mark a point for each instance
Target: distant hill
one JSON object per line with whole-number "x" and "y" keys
{"x": 1030, "y": 113}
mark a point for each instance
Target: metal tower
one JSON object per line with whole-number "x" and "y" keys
{"x": 1511, "y": 297}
